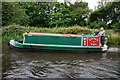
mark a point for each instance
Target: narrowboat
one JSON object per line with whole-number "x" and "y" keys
{"x": 52, "y": 41}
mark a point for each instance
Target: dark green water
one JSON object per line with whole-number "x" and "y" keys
{"x": 22, "y": 64}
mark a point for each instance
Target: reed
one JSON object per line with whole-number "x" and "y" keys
{"x": 16, "y": 32}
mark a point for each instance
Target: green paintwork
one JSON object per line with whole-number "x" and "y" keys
{"x": 56, "y": 47}
{"x": 53, "y": 42}
{"x": 58, "y": 40}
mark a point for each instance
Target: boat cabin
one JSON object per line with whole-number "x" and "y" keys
{"x": 61, "y": 39}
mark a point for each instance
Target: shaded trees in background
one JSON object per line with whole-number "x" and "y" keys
{"x": 60, "y": 15}
{"x": 38, "y": 12}
{"x": 97, "y": 25}
{"x": 45, "y": 14}
{"x": 48, "y": 14}
{"x": 12, "y": 13}
{"x": 81, "y": 12}
{"x": 51, "y": 14}
{"x": 108, "y": 13}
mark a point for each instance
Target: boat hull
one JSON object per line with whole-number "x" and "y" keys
{"x": 43, "y": 47}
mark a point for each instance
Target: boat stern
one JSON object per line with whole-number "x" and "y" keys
{"x": 104, "y": 48}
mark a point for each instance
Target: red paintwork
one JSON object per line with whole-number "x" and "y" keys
{"x": 84, "y": 41}
{"x": 104, "y": 51}
{"x": 93, "y": 41}
{"x": 37, "y": 33}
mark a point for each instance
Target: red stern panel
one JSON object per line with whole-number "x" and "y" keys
{"x": 93, "y": 41}
{"x": 84, "y": 41}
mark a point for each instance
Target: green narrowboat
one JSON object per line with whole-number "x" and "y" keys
{"x": 51, "y": 41}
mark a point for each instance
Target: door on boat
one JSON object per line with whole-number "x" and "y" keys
{"x": 91, "y": 41}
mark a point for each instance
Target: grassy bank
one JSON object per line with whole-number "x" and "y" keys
{"x": 16, "y": 32}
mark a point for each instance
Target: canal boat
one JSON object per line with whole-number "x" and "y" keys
{"x": 52, "y": 41}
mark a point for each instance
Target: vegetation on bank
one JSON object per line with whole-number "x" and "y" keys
{"x": 16, "y": 32}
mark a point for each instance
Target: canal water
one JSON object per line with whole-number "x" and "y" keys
{"x": 27, "y": 64}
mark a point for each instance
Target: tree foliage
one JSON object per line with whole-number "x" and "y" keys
{"x": 51, "y": 14}
{"x": 45, "y": 14}
{"x": 60, "y": 15}
{"x": 36, "y": 13}
{"x": 12, "y": 13}
{"x": 110, "y": 13}
{"x": 81, "y": 12}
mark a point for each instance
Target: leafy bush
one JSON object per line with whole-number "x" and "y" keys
{"x": 116, "y": 27}
{"x": 113, "y": 40}
{"x": 93, "y": 25}
{"x": 98, "y": 25}
{"x": 102, "y": 24}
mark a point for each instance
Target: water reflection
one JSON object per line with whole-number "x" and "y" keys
{"x": 20, "y": 64}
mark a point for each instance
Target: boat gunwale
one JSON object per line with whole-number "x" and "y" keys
{"x": 57, "y": 45}
{"x": 53, "y": 50}
{"x": 14, "y": 44}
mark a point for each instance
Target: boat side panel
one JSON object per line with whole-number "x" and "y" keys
{"x": 67, "y": 48}
{"x": 20, "y": 45}
{"x": 59, "y": 40}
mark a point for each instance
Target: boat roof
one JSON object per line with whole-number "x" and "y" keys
{"x": 53, "y": 34}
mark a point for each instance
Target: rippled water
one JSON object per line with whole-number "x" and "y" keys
{"x": 21, "y": 64}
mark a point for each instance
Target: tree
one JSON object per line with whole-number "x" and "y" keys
{"x": 81, "y": 12}
{"x": 110, "y": 13}
{"x": 12, "y": 13}
{"x": 38, "y": 12}
{"x": 60, "y": 15}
